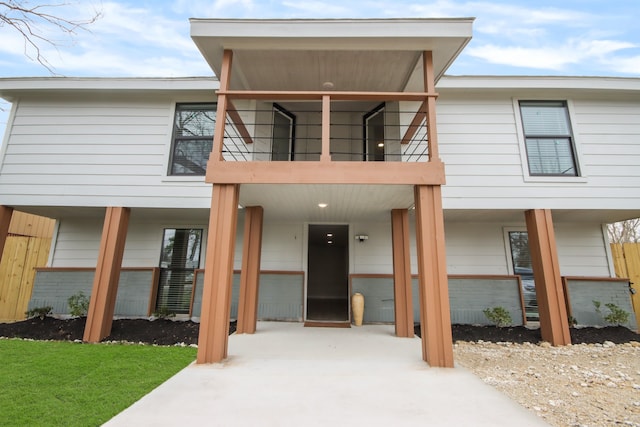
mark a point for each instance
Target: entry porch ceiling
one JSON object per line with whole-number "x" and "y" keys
{"x": 370, "y": 55}
{"x": 345, "y": 202}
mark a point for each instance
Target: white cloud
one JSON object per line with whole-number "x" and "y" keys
{"x": 134, "y": 25}
{"x": 320, "y": 8}
{"x": 550, "y": 57}
{"x": 105, "y": 63}
{"x": 492, "y": 11}
{"x": 125, "y": 41}
{"x": 220, "y": 8}
{"x": 629, "y": 65}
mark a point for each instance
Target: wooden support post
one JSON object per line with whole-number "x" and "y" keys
{"x": 435, "y": 317}
{"x": 105, "y": 282}
{"x": 5, "y": 221}
{"x": 325, "y": 156}
{"x": 554, "y": 324}
{"x": 218, "y": 274}
{"x": 430, "y": 106}
{"x": 221, "y": 111}
{"x": 250, "y": 275}
{"x": 403, "y": 302}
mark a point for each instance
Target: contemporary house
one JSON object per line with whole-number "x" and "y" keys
{"x": 328, "y": 157}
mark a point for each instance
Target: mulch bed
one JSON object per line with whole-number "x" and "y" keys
{"x": 158, "y": 331}
{"x": 520, "y": 334}
{"x": 169, "y": 332}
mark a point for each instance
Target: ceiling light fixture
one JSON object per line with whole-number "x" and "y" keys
{"x": 322, "y": 205}
{"x": 329, "y": 234}
{"x": 327, "y": 85}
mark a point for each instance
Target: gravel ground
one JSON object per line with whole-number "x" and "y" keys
{"x": 577, "y": 385}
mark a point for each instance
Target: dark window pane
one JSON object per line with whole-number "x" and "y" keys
{"x": 190, "y": 156}
{"x": 193, "y": 129}
{"x": 550, "y": 156}
{"x": 179, "y": 259}
{"x": 520, "y": 255}
{"x": 545, "y": 118}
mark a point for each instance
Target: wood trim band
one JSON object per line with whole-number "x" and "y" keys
{"x": 595, "y": 279}
{"x": 61, "y": 269}
{"x": 322, "y": 172}
{"x": 319, "y": 95}
{"x": 291, "y": 272}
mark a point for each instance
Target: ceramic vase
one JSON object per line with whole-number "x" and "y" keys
{"x": 357, "y": 306}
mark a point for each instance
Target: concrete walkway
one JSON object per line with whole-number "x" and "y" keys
{"x": 289, "y": 375}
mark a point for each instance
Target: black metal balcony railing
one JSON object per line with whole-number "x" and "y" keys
{"x": 273, "y": 133}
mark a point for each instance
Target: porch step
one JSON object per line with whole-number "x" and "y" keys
{"x": 315, "y": 324}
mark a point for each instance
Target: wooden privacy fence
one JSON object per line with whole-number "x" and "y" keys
{"x": 22, "y": 254}
{"x": 626, "y": 259}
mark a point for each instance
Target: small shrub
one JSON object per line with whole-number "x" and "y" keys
{"x": 616, "y": 316}
{"x": 40, "y": 312}
{"x": 572, "y": 321}
{"x": 78, "y": 304}
{"x": 163, "y": 313}
{"x": 499, "y": 316}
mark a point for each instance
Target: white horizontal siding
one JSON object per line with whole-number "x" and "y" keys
{"x": 95, "y": 151}
{"x": 472, "y": 247}
{"x": 582, "y": 250}
{"x": 77, "y": 243}
{"x": 475, "y": 248}
{"x": 282, "y": 246}
{"x": 374, "y": 255}
{"x": 480, "y": 145}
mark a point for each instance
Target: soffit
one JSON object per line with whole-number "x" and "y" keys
{"x": 345, "y": 202}
{"x": 283, "y": 70}
{"x": 368, "y": 55}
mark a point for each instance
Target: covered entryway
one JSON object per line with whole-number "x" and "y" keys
{"x": 328, "y": 273}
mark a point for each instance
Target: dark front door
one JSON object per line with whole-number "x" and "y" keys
{"x": 328, "y": 273}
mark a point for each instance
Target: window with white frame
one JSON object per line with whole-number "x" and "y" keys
{"x": 548, "y": 138}
{"x": 192, "y": 138}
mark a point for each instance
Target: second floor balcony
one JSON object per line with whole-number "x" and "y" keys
{"x": 324, "y": 137}
{"x": 327, "y": 102}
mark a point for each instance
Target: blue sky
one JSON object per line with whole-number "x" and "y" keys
{"x": 151, "y": 37}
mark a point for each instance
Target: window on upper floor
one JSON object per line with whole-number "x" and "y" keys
{"x": 548, "y": 138}
{"x": 192, "y": 138}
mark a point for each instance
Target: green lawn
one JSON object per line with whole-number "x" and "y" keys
{"x": 46, "y": 383}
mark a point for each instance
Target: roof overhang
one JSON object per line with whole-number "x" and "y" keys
{"x": 13, "y": 87}
{"x": 352, "y": 54}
